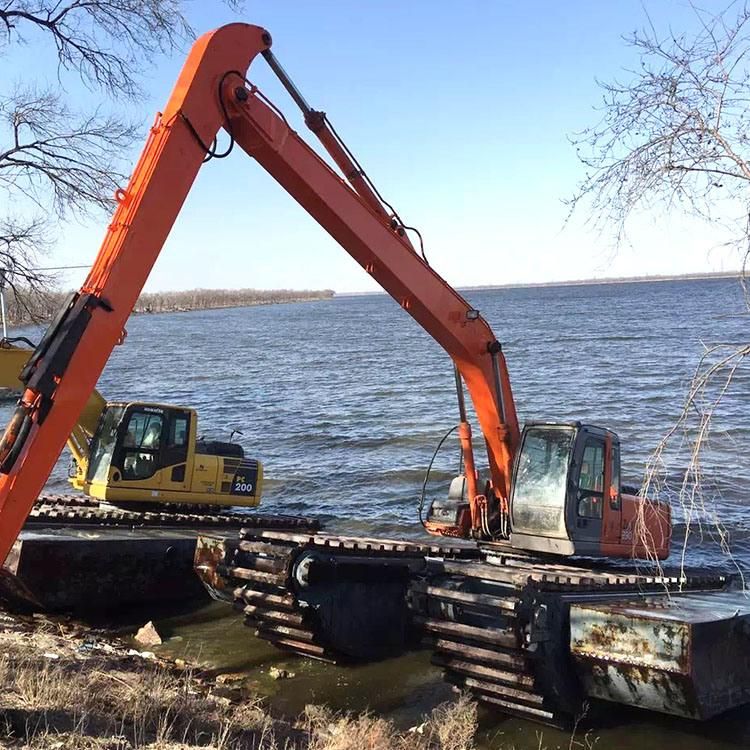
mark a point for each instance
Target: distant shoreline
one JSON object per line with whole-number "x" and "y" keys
{"x": 706, "y": 276}
{"x": 313, "y": 297}
{"x": 38, "y": 309}
{"x": 195, "y": 300}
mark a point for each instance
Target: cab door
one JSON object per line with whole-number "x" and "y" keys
{"x": 139, "y": 461}
{"x": 589, "y": 495}
{"x": 174, "y": 456}
{"x": 612, "y": 522}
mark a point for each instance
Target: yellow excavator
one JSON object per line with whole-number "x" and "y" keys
{"x": 135, "y": 452}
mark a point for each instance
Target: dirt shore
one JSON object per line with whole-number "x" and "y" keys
{"x": 67, "y": 685}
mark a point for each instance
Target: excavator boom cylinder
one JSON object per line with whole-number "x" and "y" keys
{"x": 318, "y": 124}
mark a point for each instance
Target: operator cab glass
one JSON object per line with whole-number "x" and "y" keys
{"x": 141, "y": 444}
{"x": 590, "y": 495}
{"x": 134, "y": 441}
{"x": 103, "y": 444}
{"x": 541, "y": 481}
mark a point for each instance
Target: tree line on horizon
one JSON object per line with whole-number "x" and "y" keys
{"x": 206, "y": 299}
{"x": 25, "y": 306}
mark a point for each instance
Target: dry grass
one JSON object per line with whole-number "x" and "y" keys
{"x": 96, "y": 704}
{"x": 57, "y": 696}
{"x": 451, "y": 726}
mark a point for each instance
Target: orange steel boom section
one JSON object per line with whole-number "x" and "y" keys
{"x": 211, "y": 92}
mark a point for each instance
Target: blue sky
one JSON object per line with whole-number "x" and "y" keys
{"x": 460, "y": 112}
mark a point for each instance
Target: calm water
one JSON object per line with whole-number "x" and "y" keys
{"x": 345, "y": 400}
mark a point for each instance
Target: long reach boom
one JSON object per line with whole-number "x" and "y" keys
{"x": 211, "y": 93}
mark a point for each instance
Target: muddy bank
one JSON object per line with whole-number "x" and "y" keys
{"x": 71, "y": 685}
{"x": 210, "y": 683}
{"x": 405, "y": 689}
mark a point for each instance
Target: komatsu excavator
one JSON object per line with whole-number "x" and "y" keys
{"x": 553, "y": 487}
{"x": 135, "y": 452}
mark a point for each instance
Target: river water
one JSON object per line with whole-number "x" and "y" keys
{"x": 344, "y": 401}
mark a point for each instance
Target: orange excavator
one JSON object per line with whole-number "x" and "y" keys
{"x": 553, "y": 488}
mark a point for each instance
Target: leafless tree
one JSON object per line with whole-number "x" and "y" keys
{"x": 26, "y": 307}
{"x": 54, "y": 159}
{"x": 676, "y": 135}
{"x": 58, "y": 156}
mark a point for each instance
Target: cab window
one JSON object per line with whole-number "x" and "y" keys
{"x": 141, "y": 444}
{"x": 178, "y": 432}
{"x": 591, "y": 480}
{"x": 103, "y": 444}
{"x": 539, "y": 489}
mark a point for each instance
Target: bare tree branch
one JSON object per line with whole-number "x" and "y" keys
{"x": 49, "y": 150}
{"x": 54, "y": 159}
{"x": 690, "y": 435}
{"x": 104, "y": 41}
{"x": 25, "y": 287}
{"x": 676, "y": 134}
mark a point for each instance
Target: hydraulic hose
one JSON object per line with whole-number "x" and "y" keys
{"x": 427, "y": 473}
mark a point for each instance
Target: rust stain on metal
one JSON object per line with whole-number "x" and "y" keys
{"x": 683, "y": 655}
{"x": 209, "y": 554}
{"x": 604, "y": 637}
{"x": 647, "y": 688}
{"x": 612, "y": 636}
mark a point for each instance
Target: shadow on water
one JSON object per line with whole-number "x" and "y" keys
{"x": 214, "y": 636}
{"x": 618, "y": 727}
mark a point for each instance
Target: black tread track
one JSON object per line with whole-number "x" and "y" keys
{"x": 75, "y": 510}
{"x": 260, "y": 569}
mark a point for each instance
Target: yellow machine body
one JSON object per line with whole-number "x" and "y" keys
{"x": 176, "y": 467}
{"x": 150, "y": 453}
{"x": 12, "y": 360}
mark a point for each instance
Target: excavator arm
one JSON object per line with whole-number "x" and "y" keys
{"x": 212, "y": 93}
{"x": 13, "y": 359}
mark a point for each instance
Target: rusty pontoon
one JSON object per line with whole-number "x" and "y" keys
{"x": 526, "y": 635}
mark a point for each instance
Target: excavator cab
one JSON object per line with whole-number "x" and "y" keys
{"x": 150, "y": 453}
{"x": 566, "y": 497}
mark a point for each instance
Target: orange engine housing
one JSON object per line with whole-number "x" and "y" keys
{"x": 646, "y": 531}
